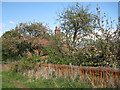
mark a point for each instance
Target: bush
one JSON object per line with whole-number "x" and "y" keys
{"x": 26, "y": 63}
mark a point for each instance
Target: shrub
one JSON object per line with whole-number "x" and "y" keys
{"x": 26, "y": 63}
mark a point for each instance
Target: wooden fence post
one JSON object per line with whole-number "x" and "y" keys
{"x": 118, "y": 75}
{"x": 103, "y": 77}
{"x": 109, "y": 74}
{"x": 83, "y": 73}
{"x": 67, "y": 71}
{"x": 95, "y": 76}
{"x": 90, "y": 76}
{"x": 106, "y": 78}
{"x": 112, "y": 76}
{"x": 98, "y": 77}
{"x": 115, "y": 77}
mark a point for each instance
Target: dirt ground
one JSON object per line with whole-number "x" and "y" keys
{"x": 6, "y": 67}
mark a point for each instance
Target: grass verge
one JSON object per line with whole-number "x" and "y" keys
{"x": 17, "y": 80}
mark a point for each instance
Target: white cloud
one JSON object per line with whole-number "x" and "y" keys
{"x": 11, "y": 22}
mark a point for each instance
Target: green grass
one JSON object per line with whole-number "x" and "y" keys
{"x": 17, "y": 80}
{"x": 0, "y": 80}
{"x": 6, "y": 83}
{"x": 12, "y": 80}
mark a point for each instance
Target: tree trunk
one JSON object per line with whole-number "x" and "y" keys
{"x": 74, "y": 36}
{"x": 75, "y": 33}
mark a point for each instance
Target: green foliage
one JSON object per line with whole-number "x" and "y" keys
{"x": 23, "y": 39}
{"x": 75, "y": 20}
{"x": 26, "y": 63}
{"x": 90, "y": 48}
{"x": 9, "y": 44}
{"x": 32, "y": 28}
{"x": 80, "y": 44}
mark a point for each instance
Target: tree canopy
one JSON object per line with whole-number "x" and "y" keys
{"x": 25, "y": 36}
{"x": 76, "y": 20}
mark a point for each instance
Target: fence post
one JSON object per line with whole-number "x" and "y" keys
{"x": 62, "y": 69}
{"x": 80, "y": 72}
{"x": 98, "y": 77}
{"x": 87, "y": 73}
{"x": 112, "y": 75}
{"x": 77, "y": 70}
{"x": 83, "y": 73}
{"x": 118, "y": 75}
{"x": 106, "y": 78}
{"x": 115, "y": 77}
{"x": 103, "y": 77}
{"x": 95, "y": 77}
{"x": 67, "y": 71}
{"x": 90, "y": 76}
{"x": 109, "y": 75}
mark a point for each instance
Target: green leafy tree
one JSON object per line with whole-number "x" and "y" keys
{"x": 118, "y": 34}
{"x": 34, "y": 29}
{"x": 9, "y": 44}
{"x": 23, "y": 38}
{"x": 76, "y": 20}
